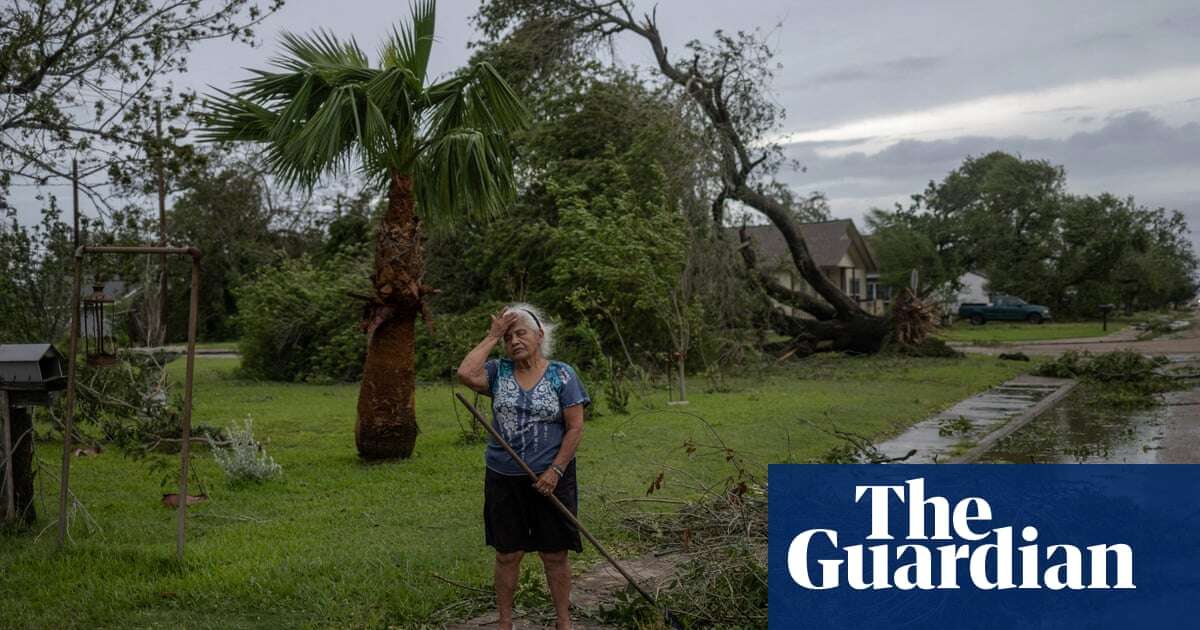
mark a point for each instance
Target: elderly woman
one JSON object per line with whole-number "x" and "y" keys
{"x": 537, "y": 407}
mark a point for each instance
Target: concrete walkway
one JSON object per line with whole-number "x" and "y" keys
{"x": 965, "y": 431}
{"x": 588, "y": 591}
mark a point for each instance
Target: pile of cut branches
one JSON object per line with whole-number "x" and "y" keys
{"x": 722, "y": 536}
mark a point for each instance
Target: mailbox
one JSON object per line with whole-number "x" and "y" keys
{"x": 1105, "y": 309}
{"x": 30, "y": 372}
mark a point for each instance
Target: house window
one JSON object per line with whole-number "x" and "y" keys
{"x": 854, "y": 286}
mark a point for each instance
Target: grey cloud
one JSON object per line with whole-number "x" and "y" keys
{"x": 1134, "y": 153}
{"x": 1186, "y": 23}
{"x": 912, "y": 63}
{"x": 1058, "y": 110}
{"x": 1132, "y": 142}
{"x": 1106, "y": 38}
{"x": 843, "y": 75}
{"x": 893, "y": 69}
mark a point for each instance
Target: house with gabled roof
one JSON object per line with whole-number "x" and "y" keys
{"x": 838, "y": 249}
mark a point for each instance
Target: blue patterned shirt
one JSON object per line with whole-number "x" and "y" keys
{"x": 531, "y": 421}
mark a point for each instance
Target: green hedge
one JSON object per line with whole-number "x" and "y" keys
{"x": 299, "y": 323}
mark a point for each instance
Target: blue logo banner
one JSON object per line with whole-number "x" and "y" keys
{"x": 984, "y": 546}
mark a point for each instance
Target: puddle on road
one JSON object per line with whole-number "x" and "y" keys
{"x": 1080, "y": 431}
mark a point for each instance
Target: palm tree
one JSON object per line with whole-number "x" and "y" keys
{"x": 441, "y": 150}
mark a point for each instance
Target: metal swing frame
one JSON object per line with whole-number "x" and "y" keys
{"x": 186, "y": 429}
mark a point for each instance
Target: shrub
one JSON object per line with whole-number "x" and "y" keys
{"x": 242, "y": 457}
{"x": 454, "y": 335}
{"x": 299, "y": 321}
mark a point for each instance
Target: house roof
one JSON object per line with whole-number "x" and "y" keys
{"x": 828, "y": 242}
{"x": 23, "y": 352}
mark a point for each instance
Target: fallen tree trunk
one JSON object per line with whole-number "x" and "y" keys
{"x": 838, "y": 321}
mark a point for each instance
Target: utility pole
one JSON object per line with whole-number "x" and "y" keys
{"x": 161, "y": 333}
{"x": 75, "y": 204}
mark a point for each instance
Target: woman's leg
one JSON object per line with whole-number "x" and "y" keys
{"x": 558, "y": 575}
{"x": 508, "y": 569}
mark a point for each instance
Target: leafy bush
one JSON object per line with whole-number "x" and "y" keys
{"x": 243, "y": 458}
{"x": 299, "y": 322}
{"x": 454, "y": 335}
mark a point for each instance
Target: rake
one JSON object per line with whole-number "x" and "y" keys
{"x": 670, "y": 619}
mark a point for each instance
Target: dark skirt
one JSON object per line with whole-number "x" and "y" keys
{"x": 517, "y": 518}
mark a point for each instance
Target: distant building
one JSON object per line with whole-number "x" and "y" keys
{"x": 973, "y": 287}
{"x": 837, "y": 248}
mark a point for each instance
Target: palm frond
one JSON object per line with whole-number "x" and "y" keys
{"x": 326, "y": 111}
{"x": 270, "y": 86}
{"x": 321, "y": 49}
{"x": 323, "y": 143}
{"x": 479, "y": 98}
{"x": 411, "y": 47}
{"x": 233, "y": 118}
{"x": 467, "y": 172}
{"x": 494, "y": 105}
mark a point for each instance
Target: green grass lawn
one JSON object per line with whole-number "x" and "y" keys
{"x": 336, "y": 542}
{"x": 1016, "y": 332}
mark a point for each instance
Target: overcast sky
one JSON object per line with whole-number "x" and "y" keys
{"x": 882, "y": 97}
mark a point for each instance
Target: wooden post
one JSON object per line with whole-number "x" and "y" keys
{"x": 682, "y": 380}
{"x": 10, "y": 488}
{"x": 69, "y": 423}
{"x": 161, "y": 334}
{"x": 186, "y": 431}
{"x": 75, "y": 204}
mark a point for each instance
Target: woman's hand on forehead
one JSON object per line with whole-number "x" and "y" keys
{"x": 502, "y": 323}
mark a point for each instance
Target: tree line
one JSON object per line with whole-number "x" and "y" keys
{"x": 1012, "y": 220}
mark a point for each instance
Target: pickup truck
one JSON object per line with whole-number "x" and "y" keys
{"x": 1003, "y": 308}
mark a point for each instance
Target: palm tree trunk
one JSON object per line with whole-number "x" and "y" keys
{"x": 387, "y": 422}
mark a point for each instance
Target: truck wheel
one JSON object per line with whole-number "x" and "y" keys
{"x": 1034, "y": 318}
{"x": 978, "y": 319}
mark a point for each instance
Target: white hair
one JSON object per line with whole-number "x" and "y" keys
{"x": 533, "y": 318}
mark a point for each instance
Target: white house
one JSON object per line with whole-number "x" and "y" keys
{"x": 973, "y": 287}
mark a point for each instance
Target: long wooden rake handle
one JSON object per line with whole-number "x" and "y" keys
{"x": 567, "y": 513}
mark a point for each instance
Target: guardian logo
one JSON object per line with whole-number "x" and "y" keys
{"x": 987, "y": 551}
{"x": 983, "y": 546}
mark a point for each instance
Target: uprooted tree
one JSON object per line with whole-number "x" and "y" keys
{"x": 723, "y": 82}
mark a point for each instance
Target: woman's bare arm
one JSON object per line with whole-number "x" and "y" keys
{"x": 471, "y": 371}
{"x": 573, "y": 418}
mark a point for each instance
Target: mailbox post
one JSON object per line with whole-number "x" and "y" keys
{"x": 30, "y": 374}
{"x": 1105, "y": 309}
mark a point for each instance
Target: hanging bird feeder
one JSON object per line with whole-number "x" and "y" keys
{"x": 99, "y": 345}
